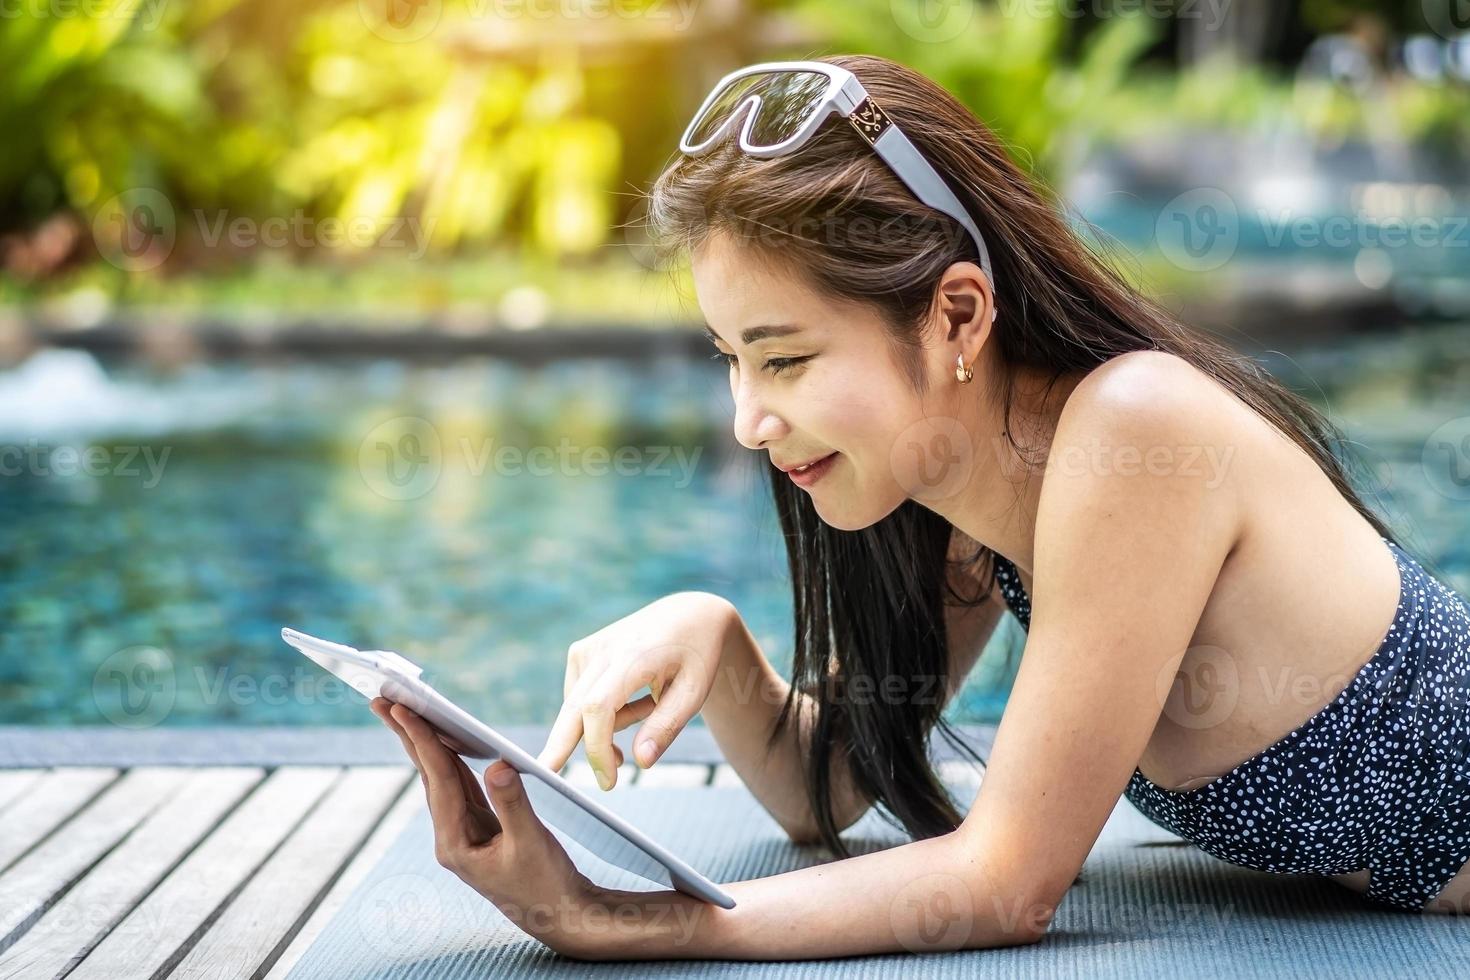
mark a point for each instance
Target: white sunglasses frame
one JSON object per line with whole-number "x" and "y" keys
{"x": 845, "y": 96}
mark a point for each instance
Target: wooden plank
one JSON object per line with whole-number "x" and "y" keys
{"x": 109, "y": 891}
{"x": 674, "y": 774}
{"x": 157, "y": 932}
{"x": 262, "y": 919}
{"x": 410, "y": 802}
{"x": 33, "y": 881}
{"x": 47, "y": 803}
{"x": 14, "y": 782}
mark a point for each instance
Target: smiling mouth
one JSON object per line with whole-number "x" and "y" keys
{"x": 803, "y": 469}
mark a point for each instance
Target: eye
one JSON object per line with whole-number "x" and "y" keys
{"x": 776, "y": 365}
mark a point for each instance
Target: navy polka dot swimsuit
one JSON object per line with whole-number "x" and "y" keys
{"x": 1378, "y": 779}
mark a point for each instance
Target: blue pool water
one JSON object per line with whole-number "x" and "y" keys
{"x": 156, "y": 531}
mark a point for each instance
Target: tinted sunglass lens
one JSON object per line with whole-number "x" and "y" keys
{"x": 719, "y": 110}
{"x": 787, "y": 102}
{"x": 788, "y": 99}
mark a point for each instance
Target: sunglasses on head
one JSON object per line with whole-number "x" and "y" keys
{"x": 783, "y": 103}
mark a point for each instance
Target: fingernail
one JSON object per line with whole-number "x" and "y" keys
{"x": 502, "y": 776}
{"x": 646, "y": 751}
{"x": 603, "y": 779}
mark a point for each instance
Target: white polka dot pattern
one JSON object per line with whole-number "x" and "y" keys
{"x": 1378, "y": 779}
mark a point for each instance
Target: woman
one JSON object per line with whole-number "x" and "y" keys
{"x": 955, "y": 395}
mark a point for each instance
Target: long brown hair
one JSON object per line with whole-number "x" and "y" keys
{"x": 869, "y": 604}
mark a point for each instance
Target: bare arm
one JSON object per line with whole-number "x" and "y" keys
{"x": 747, "y": 696}
{"x": 1125, "y": 562}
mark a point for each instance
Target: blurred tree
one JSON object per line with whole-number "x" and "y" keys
{"x": 533, "y": 130}
{"x": 1006, "y": 61}
{"x": 1246, "y": 30}
{"x": 247, "y": 110}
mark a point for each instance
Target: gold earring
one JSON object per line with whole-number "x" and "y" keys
{"x": 962, "y": 374}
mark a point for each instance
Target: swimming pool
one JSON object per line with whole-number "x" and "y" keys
{"x": 156, "y": 531}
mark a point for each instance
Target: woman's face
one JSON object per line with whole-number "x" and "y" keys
{"x": 826, "y": 382}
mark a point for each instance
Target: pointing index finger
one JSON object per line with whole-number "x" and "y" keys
{"x": 566, "y": 732}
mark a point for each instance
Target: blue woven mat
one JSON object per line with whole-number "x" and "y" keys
{"x": 1147, "y": 904}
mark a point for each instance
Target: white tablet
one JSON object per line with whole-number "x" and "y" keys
{"x": 375, "y": 673}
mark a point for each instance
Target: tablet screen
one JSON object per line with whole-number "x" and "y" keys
{"x": 560, "y": 805}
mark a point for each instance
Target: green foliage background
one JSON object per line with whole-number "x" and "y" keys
{"x": 503, "y": 140}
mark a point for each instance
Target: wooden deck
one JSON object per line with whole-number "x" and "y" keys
{"x": 194, "y": 852}
{"x": 188, "y": 871}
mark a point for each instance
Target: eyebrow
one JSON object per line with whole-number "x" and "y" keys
{"x": 753, "y": 334}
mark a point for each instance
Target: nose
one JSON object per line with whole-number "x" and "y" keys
{"x": 755, "y": 427}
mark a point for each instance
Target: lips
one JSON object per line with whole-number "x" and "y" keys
{"x": 811, "y": 473}
{"x": 801, "y": 468}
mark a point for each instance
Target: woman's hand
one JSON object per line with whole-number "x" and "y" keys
{"x": 502, "y": 850}
{"x": 672, "y": 646}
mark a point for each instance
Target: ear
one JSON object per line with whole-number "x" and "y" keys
{"x": 966, "y": 304}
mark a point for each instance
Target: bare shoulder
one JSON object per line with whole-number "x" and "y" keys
{"x": 1147, "y": 426}
{"x": 1153, "y": 402}
{"x": 1147, "y": 385}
